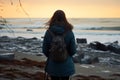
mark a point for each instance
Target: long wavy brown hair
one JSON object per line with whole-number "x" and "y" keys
{"x": 59, "y": 18}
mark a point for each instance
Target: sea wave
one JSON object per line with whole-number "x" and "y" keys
{"x": 104, "y": 28}
{"x": 90, "y": 27}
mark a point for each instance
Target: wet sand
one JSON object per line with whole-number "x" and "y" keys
{"x": 31, "y": 67}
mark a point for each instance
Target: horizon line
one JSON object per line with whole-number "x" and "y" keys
{"x": 67, "y": 17}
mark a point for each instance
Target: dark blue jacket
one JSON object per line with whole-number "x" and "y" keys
{"x": 60, "y": 69}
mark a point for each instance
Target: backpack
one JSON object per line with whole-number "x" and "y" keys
{"x": 58, "y": 51}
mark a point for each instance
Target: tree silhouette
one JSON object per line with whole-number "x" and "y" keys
{"x": 11, "y": 2}
{"x": 3, "y": 21}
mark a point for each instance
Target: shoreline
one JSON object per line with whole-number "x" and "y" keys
{"x": 91, "y": 35}
{"x": 89, "y": 60}
{"x": 24, "y": 64}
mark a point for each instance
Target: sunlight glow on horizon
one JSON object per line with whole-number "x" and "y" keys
{"x": 72, "y": 8}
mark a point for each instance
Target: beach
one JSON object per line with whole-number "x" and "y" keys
{"x": 94, "y": 24}
{"x": 22, "y": 59}
{"x": 97, "y": 42}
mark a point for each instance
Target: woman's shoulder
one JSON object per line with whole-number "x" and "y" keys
{"x": 47, "y": 35}
{"x": 70, "y": 34}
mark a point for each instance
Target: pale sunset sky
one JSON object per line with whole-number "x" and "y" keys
{"x": 72, "y": 8}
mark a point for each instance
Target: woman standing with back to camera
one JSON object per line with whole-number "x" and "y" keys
{"x": 58, "y": 24}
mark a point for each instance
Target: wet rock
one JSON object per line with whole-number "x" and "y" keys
{"x": 1, "y": 47}
{"x": 89, "y": 60}
{"x": 114, "y": 47}
{"x": 29, "y": 30}
{"x": 4, "y": 39}
{"x": 85, "y": 59}
{"x": 34, "y": 46}
{"x": 34, "y": 38}
{"x": 81, "y": 40}
{"x": 98, "y": 46}
{"x": 21, "y": 44}
{"x": 77, "y": 58}
{"x": 20, "y": 38}
{"x": 95, "y": 60}
{"x": 7, "y": 56}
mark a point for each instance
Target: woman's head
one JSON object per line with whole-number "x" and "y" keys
{"x": 59, "y": 18}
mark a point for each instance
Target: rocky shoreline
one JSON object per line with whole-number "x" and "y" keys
{"x": 95, "y": 53}
{"x": 20, "y": 44}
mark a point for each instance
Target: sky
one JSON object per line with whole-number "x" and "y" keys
{"x": 72, "y": 8}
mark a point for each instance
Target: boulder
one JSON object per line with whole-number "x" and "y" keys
{"x": 81, "y": 40}
{"x": 7, "y": 56}
{"x": 114, "y": 47}
{"x": 89, "y": 60}
{"x": 5, "y": 39}
{"x": 84, "y": 59}
{"x": 98, "y": 46}
{"x": 78, "y": 57}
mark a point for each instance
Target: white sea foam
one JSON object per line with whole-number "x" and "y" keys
{"x": 94, "y": 29}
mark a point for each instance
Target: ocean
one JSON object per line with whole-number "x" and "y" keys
{"x": 93, "y": 29}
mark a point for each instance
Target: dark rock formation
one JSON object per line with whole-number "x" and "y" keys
{"x": 81, "y": 40}
{"x": 7, "y": 56}
{"x": 114, "y": 47}
{"x": 98, "y": 46}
